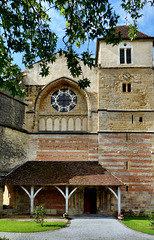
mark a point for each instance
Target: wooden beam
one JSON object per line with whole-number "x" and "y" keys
{"x": 118, "y": 197}
{"x": 66, "y": 195}
{"x": 32, "y": 196}
{"x": 119, "y": 200}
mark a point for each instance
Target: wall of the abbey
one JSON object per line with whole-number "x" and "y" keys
{"x": 13, "y": 137}
{"x": 112, "y": 94}
{"x": 130, "y": 157}
{"x": 13, "y": 148}
{"x": 109, "y": 55}
{"x": 42, "y": 116}
{"x": 63, "y": 147}
{"x": 123, "y": 120}
{"x": 18, "y": 147}
{"x": 59, "y": 69}
{"x": 111, "y": 122}
{"x": 126, "y": 99}
{"x": 12, "y": 111}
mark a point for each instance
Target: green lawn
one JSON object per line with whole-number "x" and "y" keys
{"x": 23, "y": 227}
{"x": 141, "y": 224}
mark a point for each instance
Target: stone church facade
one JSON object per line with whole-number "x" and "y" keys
{"x": 110, "y": 123}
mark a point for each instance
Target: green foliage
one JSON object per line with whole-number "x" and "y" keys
{"x": 4, "y": 238}
{"x": 84, "y": 82}
{"x": 39, "y": 214}
{"x": 25, "y": 28}
{"x": 151, "y": 219}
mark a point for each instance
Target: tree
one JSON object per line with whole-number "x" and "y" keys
{"x": 25, "y": 29}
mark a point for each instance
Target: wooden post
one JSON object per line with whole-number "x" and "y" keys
{"x": 66, "y": 195}
{"x": 119, "y": 200}
{"x": 1, "y": 199}
{"x": 66, "y": 199}
{"x": 31, "y": 195}
{"x": 32, "y": 200}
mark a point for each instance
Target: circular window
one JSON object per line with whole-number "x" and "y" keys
{"x": 63, "y": 100}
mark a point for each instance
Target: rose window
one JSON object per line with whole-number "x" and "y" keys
{"x": 63, "y": 100}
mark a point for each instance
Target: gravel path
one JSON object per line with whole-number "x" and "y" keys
{"x": 85, "y": 229}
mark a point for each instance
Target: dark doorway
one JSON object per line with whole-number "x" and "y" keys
{"x": 90, "y": 200}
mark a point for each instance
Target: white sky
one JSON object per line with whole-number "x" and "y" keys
{"x": 145, "y": 25}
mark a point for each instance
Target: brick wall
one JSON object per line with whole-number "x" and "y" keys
{"x": 52, "y": 199}
{"x": 73, "y": 147}
{"x": 129, "y": 157}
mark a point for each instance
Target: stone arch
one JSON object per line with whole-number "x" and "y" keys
{"x": 56, "y": 124}
{"x": 84, "y": 124}
{"x": 70, "y": 124}
{"x": 47, "y": 90}
{"x": 78, "y": 124}
{"x": 49, "y": 124}
{"x": 63, "y": 124}
{"x": 42, "y": 124}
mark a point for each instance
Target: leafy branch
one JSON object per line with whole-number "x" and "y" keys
{"x": 25, "y": 29}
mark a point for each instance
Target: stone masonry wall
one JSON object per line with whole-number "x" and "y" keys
{"x": 12, "y": 111}
{"x": 111, "y": 95}
{"x": 13, "y": 148}
{"x": 129, "y": 156}
{"x": 13, "y": 137}
{"x": 126, "y": 120}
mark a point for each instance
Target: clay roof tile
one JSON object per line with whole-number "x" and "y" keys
{"x": 77, "y": 173}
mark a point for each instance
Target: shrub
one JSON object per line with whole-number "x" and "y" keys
{"x": 39, "y": 214}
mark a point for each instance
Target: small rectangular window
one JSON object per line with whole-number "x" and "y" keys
{"x": 127, "y": 165}
{"x": 129, "y": 87}
{"x": 128, "y": 55}
{"x": 140, "y": 119}
{"x": 126, "y": 188}
{"x": 124, "y": 87}
{"x": 122, "y": 57}
{"x": 127, "y": 137}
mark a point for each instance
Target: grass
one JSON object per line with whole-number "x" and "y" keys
{"x": 141, "y": 224}
{"x": 27, "y": 227}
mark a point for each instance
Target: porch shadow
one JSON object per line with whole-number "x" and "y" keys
{"x": 91, "y": 216}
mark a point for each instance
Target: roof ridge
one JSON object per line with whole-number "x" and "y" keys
{"x": 124, "y": 30}
{"x": 15, "y": 168}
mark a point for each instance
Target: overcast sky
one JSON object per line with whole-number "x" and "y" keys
{"x": 145, "y": 25}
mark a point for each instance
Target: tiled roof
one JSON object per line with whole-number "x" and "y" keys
{"x": 78, "y": 173}
{"x": 125, "y": 31}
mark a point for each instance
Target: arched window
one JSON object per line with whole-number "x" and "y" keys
{"x": 125, "y": 53}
